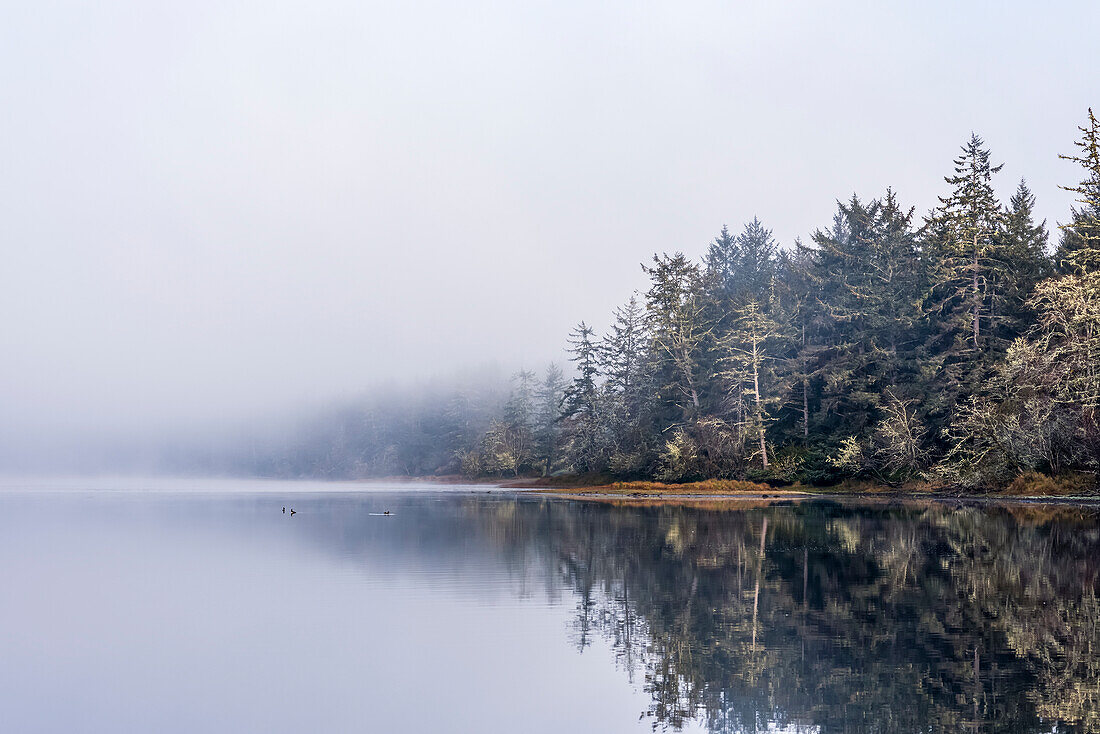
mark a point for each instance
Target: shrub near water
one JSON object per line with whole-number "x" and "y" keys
{"x": 1034, "y": 484}
{"x": 709, "y": 486}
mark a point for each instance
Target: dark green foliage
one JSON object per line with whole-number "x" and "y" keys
{"x": 1025, "y": 252}
{"x": 1075, "y": 252}
{"x": 583, "y": 411}
{"x": 549, "y": 412}
{"x": 970, "y": 280}
{"x": 679, "y": 326}
{"x": 628, "y": 390}
{"x": 1079, "y": 250}
{"x": 745, "y": 266}
{"x": 867, "y": 278}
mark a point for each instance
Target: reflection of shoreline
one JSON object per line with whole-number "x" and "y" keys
{"x": 840, "y": 615}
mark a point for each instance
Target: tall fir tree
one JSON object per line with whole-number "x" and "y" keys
{"x": 742, "y": 268}
{"x": 739, "y": 271}
{"x": 748, "y": 358}
{"x": 868, "y": 278}
{"x": 721, "y": 263}
{"x": 756, "y": 266}
{"x": 550, "y": 397}
{"x": 968, "y": 283}
{"x": 1079, "y": 249}
{"x": 1025, "y": 252}
{"x": 799, "y": 306}
{"x": 626, "y": 362}
{"x": 582, "y": 402}
{"x": 518, "y": 420}
{"x": 971, "y": 262}
{"x": 623, "y": 349}
{"x": 678, "y": 325}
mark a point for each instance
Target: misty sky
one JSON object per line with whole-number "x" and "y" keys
{"x": 211, "y": 210}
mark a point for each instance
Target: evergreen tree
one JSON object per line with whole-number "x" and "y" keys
{"x": 1025, "y": 252}
{"x": 799, "y": 306}
{"x": 622, "y": 351}
{"x": 582, "y": 402}
{"x": 625, "y": 363}
{"x": 550, "y": 397}
{"x": 1079, "y": 250}
{"x": 971, "y": 263}
{"x": 756, "y": 266}
{"x": 748, "y": 356}
{"x": 676, "y": 318}
{"x": 743, "y": 267}
{"x": 739, "y": 270}
{"x": 519, "y": 409}
{"x": 868, "y": 278}
{"x": 461, "y": 426}
{"x": 1043, "y": 409}
{"x": 721, "y": 262}
{"x": 1074, "y": 254}
{"x": 517, "y": 425}
{"x": 969, "y": 280}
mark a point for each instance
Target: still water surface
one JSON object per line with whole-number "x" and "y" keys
{"x": 201, "y": 606}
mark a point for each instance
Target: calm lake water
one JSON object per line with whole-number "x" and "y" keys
{"x": 201, "y": 607}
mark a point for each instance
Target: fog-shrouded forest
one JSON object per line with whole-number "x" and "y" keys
{"x": 958, "y": 346}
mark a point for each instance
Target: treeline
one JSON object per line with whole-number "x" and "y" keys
{"x": 954, "y": 347}
{"x": 393, "y": 431}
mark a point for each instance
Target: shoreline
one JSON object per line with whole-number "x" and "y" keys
{"x": 600, "y": 488}
{"x": 739, "y": 492}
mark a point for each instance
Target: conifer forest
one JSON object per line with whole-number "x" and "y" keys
{"x": 958, "y": 347}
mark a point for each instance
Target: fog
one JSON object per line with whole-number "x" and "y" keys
{"x": 216, "y": 212}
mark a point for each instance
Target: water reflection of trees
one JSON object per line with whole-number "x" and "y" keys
{"x": 822, "y": 617}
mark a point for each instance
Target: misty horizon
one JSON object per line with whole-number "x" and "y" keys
{"x": 224, "y": 216}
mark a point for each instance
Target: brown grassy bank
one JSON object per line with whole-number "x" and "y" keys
{"x": 1028, "y": 486}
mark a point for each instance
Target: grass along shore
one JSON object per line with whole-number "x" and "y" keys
{"x": 1027, "y": 486}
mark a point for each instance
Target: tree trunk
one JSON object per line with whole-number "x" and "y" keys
{"x": 805, "y": 393}
{"x": 977, "y": 297}
{"x": 689, "y": 380}
{"x": 805, "y": 409}
{"x": 759, "y": 406}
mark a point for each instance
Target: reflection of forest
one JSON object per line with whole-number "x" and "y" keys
{"x": 822, "y": 617}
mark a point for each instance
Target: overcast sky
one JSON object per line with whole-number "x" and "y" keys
{"x": 211, "y": 210}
